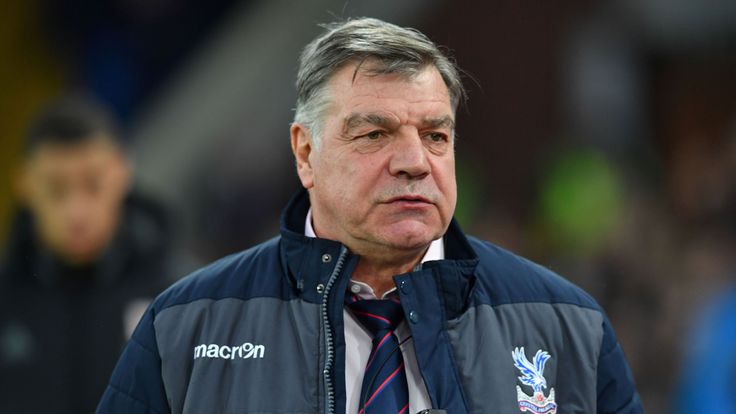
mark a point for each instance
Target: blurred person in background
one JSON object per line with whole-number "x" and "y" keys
{"x": 84, "y": 257}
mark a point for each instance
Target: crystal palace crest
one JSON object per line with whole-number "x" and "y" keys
{"x": 532, "y": 376}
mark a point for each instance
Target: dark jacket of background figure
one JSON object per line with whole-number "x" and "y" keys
{"x": 62, "y": 328}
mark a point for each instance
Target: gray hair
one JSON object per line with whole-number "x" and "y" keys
{"x": 389, "y": 48}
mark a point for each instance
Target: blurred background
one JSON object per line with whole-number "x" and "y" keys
{"x": 599, "y": 139}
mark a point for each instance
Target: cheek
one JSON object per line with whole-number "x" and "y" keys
{"x": 104, "y": 206}
{"x": 340, "y": 172}
{"x": 50, "y": 222}
{"x": 50, "y": 219}
{"x": 348, "y": 177}
{"x": 445, "y": 175}
{"x": 47, "y": 210}
{"x": 448, "y": 184}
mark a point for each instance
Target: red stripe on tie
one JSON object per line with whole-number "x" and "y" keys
{"x": 403, "y": 410}
{"x": 380, "y": 387}
{"x": 370, "y": 315}
{"x": 375, "y": 350}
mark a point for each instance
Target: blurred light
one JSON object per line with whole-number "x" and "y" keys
{"x": 580, "y": 201}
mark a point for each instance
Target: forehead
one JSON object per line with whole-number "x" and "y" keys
{"x": 93, "y": 151}
{"x": 417, "y": 96}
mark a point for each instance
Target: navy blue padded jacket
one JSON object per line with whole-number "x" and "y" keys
{"x": 261, "y": 331}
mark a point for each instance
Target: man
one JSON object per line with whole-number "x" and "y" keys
{"x": 372, "y": 300}
{"x": 83, "y": 259}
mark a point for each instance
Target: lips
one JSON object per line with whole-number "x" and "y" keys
{"x": 409, "y": 199}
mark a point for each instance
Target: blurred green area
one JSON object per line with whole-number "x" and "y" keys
{"x": 468, "y": 194}
{"x": 580, "y": 201}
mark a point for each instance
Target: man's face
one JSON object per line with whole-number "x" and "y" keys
{"x": 75, "y": 194}
{"x": 383, "y": 177}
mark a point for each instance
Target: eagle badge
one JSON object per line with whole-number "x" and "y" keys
{"x": 532, "y": 376}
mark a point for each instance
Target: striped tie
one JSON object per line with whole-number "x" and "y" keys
{"x": 384, "y": 388}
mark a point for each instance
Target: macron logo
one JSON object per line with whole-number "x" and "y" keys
{"x": 245, "y": 351}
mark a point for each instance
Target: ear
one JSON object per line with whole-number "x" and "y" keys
{"x": 124, "y": 173}
{"x": 301, "y": 146}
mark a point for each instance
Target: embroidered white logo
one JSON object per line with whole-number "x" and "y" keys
{"x": 532, "y": 375}
{"x": 244, "y": 351}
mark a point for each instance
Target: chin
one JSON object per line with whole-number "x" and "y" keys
{"x": 401, "y": 237}
{"x": 81, "y": 255}
{"x": 78, "y": 260}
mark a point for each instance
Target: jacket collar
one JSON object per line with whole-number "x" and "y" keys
{"x": 308, "y": 261}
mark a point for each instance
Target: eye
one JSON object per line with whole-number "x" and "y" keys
{"x": 373, "y": 135}
{"x": 436, "y": 137}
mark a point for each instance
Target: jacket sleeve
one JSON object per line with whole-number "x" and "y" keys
{"x": 136, "y": 385}
{"x": 616, "y": 390}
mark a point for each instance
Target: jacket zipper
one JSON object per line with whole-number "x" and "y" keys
{"x": 330, "y": 354}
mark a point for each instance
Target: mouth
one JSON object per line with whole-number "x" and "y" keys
{"x": 409, "y": 199}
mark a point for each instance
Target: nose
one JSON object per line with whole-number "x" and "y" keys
{"x": 409, "y": 156}
{"x": 77, "y": 210}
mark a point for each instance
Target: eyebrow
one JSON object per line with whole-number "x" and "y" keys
{"x": 441, "y": 122}
{"x": 355, "y": 120}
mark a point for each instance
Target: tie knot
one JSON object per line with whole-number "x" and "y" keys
{"x": 377, "y": 315}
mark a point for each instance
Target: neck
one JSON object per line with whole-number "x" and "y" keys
{"x": 378, "y": 272}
